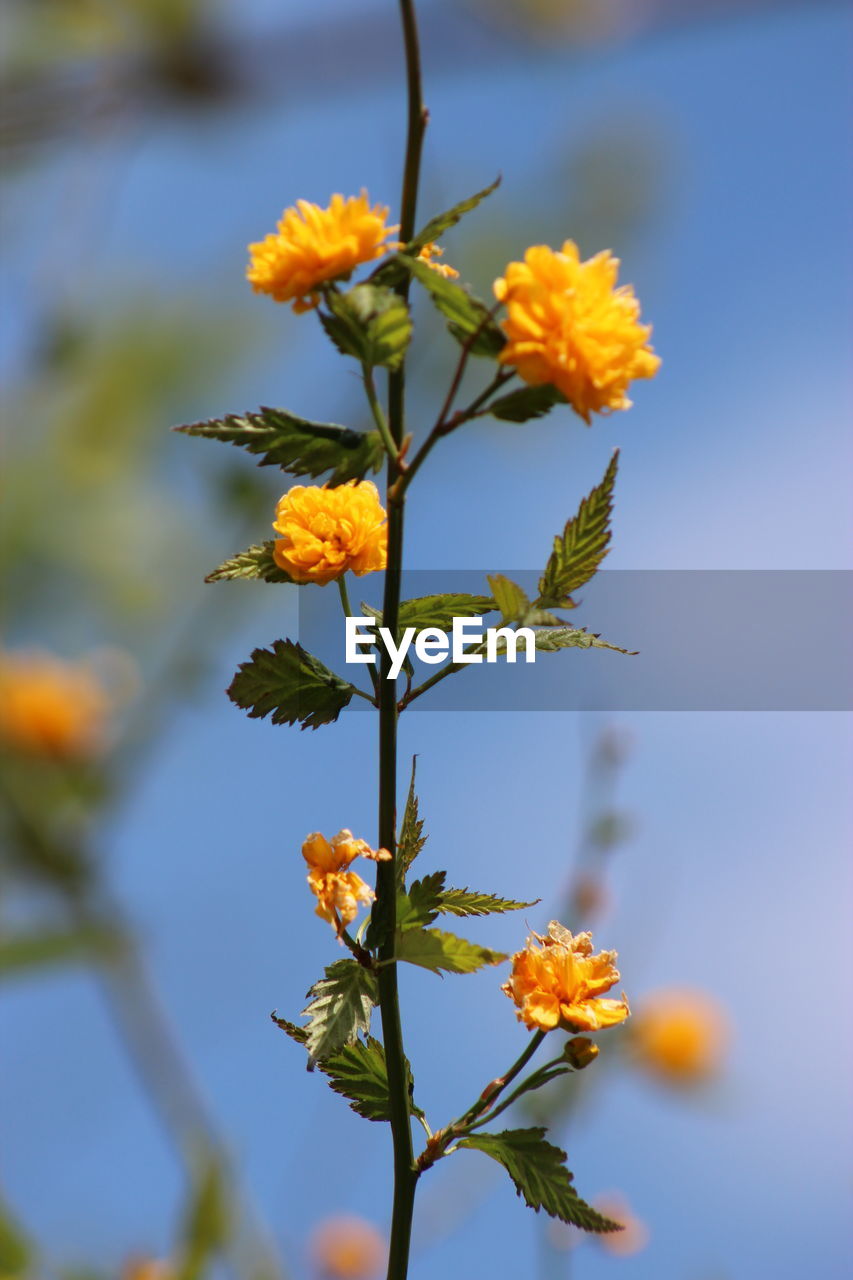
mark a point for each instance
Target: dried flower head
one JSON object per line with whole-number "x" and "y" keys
{"x": 337, "y": 889}
{"x": 429, "y": 253}
{"x": 680, "y": 1036}
{"x": 557, "y": 982}
{"x": 348, "y": 1248}
{"x": 569, "y": 325}
{"x": 313, "y": 246}
{"x": 326, "y": 531}
{"x": 50, "y": 707}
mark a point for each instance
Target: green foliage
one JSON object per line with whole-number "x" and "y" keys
{"x": 509, "y": 597}
{"x": 290, "y": 683}
{"x": 421, "y": 904}
{"x": 411, "y": 838}
{"x": 205, "y": 1228}
{"x": 369, "y": 322}
{"x": 526, "y": 403}
{"x": 436, "y": 950}
{"x": 358, "y": 1072}
{"x": 428, "y": 898}
{"x": 437, "y": 226}
{"x": 339, "y": 1008}
{"x": 538, "y": 1170}
{"x": 26, "y": 952}
{"x": 469, "y": 319}
{"x": 466, "y": 902}
{"x": 583, "y": 544}
{"x": 574, "y": 638}
{"x": 299, "y": 1034}
{"x": 16, "y": 1254}
{"x": 299, "y": 447}
{"x": 439, "y": 611}
{"x": 255, "y": 562}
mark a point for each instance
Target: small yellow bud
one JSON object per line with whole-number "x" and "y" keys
{"x": 580, "y": 1052}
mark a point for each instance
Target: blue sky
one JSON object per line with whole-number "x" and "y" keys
{"x": 737, "y": 881}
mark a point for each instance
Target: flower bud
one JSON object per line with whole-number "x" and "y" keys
{"x": 580, "y": 1052}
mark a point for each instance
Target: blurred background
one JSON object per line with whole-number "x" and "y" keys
{"x": 152, "y": 899}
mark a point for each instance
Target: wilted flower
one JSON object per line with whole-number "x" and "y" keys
{"x": 348, "y": 1248}
{"x": 557, "y": 982}
{"x": 326, "y": 531}
{"x": 313, "y": 246}
{"x": 431, "y": 251}
{"x": 338, "y": 890}
{"x": 51, "y": 707}
{"x": 569, "y": 325}
{"x": 679, "y": 1035}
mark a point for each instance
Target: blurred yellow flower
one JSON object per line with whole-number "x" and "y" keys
{"x": 680, "y": 1035}
{"x": 51, "y": 707}
{"x": 313, "y": 246}
{"x": 348, "y": 1248}
{"x": 569, "y": 325}
{"x": 634, "y": 1235}
{"x": 147, "y": 1269}
{"x": 432, "y": 251}
{"x": 557, "y": 982}
{"x": 338, "y": 890}
{"x": 326, "y": 531}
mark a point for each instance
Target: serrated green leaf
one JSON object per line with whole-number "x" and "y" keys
{"x": 411, "y": 838}
{"x": 466, "y": 902}
{"x": 437, "y": 226}
{"x": 540, "y": 1176}
{"x": 340, "y": 1008}
{"x": 358, "y": 1072}
{"x": 299, "y": 447}
{"x": 29, "y": 951}
{"x": 574, "y": 638}
{"x": 255, "y": 562}
{"x": 290, "y": 684}
{"x": 299, "y": 1034}
{"x": 439, "y": 951}
{"x": 369, "y": 322}
{"x": 420, "y": 905}
{"x": 583, "y": 544}
{"x": 526, "y": 403}
{"x": 469, "y": 319}
{"x": 509, "y": 597}
{"x": 440, "y": 610}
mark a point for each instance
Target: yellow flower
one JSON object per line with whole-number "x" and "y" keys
{"x": 680, "y": 1036}
{"x": 147, "y": 1269}
{"x": 314, "y": 245}
{"x": 634, "y": 1235}
{"x": 430, "y": 251}
{"x": 348, "y": 1248}
{"x": 326, "y": 531}
{"x": 337, "y": 889}
{"x": 49, "y": 707}
{"x": 557, "y": 982}
{"x": 569, "y": 325}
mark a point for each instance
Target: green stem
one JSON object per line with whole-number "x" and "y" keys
{"x": 379, "y": 414}
{"x": 444, "y": 427}
{"x": 348, "y": 613}
{"x": 405, "y": 1173}
{"x": 449, "y": 670}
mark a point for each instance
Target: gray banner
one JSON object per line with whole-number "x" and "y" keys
{"x": 708, "y": 640}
